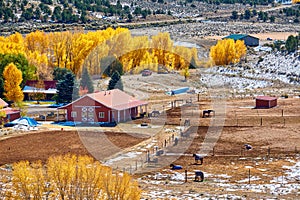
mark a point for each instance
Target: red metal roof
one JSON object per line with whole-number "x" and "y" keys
{"x": 47, "y": 84}
{"x": 114, "y": 99}
{"x": 266, "y": 98}
{"x": 3, "y": 104}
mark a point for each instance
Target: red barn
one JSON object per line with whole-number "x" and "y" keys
{"x": 105, "y": 106}
{"x": 265, "y": 102}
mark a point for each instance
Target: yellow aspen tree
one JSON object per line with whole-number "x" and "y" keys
{"x": 37, "y": 41}
{"x": 161, "y": 43}
{"x": 70, "y": 177}
{"x": 217, "y": 53}
{"x": 13, "y": 44}
{"x": 230, "y": 53}
{"x": 93, "y": 60}
{"x": 119, "y": 44}
{"x": 147, "y": 62}
{"x": 44, "y": 70}
{"x": 137, "y": 50}
{"x": 28, "y": 180}
{"x": 240, "y": 49}
{"x": 57, "y": 44}
{"x": 185, "y": 56}
{"x": 227, "y": 51}
{"x": 185, "y": 72}
{"x": 81, "y": 46}
{"x": 13, "y": 79}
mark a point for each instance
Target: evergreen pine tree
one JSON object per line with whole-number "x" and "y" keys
{"x": 110, "y": 64}
{"x": 67, "y": 89}
{"x": 86, "y": 81}
{"x": 115, "y": 82}
{"x": 193, "y": 64}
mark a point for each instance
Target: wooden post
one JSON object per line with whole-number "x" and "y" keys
{"x": 136, "y": 165}
{"x": 249, "y": 176}
{"x": 185, "y": 175}
{"x": 198, "y": 97}
{"x": 213, "y": 151}
{"x": 282, "y": 112}
{"x": 269, "y": 152}
{"x": 261, "y": 121}
{"x": 148, "y": 156}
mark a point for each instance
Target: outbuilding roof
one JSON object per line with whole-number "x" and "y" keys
{"x": 3, "y": 104}
{"x": 237, "y": 36}
{"x": 9, "y": 111}
{"x": 266, "y": 98}
{"x": 114, "y": 99}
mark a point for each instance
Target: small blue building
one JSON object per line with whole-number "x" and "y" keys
{"x": 250, "y": 41}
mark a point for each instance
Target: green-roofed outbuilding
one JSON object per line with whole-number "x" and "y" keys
{"x": 248, "y": 39}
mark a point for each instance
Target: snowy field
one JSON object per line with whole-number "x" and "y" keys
{"x": 272, "y": 70}
{"x": 159, "y": 185}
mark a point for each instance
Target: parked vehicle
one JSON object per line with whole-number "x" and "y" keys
{"x": 146, "y": 72}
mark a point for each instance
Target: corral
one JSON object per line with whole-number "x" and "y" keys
{"x": 273, "y": 134}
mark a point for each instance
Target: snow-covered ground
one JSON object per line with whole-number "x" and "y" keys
{"x": 271, "y": 69}
{"x": 287, "y": 184}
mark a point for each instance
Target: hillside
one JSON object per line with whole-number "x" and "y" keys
{"x": 48, "y": 15}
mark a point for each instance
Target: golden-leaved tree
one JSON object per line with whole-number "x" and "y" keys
{"x": 70, "y": 177}
{"x": 76, "y": 49}
{"x": 227, "y": 51}
{"x": 13, "y": 79}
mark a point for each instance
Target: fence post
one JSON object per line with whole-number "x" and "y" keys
{"x": 282, "y": 113}
{"x": 136, "y": 165}
{"x": 249, "y": 176}
{"x": 185, "y": 175}
{"x": 261, "y": 121}
{"x": 269, "y": 151}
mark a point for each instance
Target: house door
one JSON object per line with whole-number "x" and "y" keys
{"x": 88, "y": 114}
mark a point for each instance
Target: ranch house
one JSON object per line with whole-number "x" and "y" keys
{"x": 48, "y": 89}
{"x": 248, "y": 39}
{"x": 265, "y": 102}
{"x": 105, "y": 106}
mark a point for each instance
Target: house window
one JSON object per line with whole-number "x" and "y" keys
{"x": 73, "y": 114}
{"x": 101, "y": 115}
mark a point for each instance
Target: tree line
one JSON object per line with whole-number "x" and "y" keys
{"x": 67, "y": 177}
{"x": 249, "y": 14}
{"x": 101, "y": 53}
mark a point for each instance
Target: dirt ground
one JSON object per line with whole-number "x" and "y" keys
{"x": 41, "y": 145}
{"x": 273, "y": 144}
